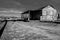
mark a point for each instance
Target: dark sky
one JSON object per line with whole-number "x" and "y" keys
{"x": 28, "y": 4}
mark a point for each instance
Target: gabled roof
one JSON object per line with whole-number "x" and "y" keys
{"x": 48, "y": 5}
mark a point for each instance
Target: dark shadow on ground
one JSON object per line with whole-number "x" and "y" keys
{"x": 2, "y": 29}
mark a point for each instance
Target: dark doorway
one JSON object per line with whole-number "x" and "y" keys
{"x": 35, "y": 14}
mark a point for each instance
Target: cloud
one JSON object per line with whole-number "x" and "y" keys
{"x": 27, "y": 4}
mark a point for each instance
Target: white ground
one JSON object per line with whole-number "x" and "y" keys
{"x": 51, "y": 30}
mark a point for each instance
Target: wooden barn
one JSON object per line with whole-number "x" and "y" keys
{"x": 49, "y": 13}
